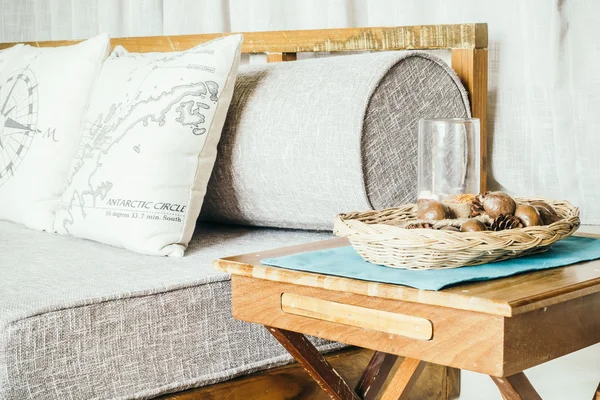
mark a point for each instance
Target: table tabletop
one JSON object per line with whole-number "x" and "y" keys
{"x": 506, "y": 297}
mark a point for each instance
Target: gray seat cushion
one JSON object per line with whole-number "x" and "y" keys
{"x": 306, "y": 140}
{"x": 83, "y": 320}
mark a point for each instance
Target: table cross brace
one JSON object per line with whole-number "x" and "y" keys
{"x": 514, "y": 387}
{"x": 369, "y": 384}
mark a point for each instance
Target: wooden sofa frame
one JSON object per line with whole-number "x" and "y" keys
{"x": 468, "y": 45}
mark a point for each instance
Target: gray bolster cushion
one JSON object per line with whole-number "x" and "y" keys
{"x": 306, "y": 140}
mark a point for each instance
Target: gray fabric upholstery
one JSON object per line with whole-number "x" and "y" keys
{"x": 83, "y": 320}
{"x": 416, "y": 88}
{"x": 306, "y": 140}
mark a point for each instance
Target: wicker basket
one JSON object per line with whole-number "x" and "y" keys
{"x": 379, "y": 238}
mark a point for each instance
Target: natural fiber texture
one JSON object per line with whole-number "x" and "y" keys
{"x": 83, "y": 320}
{"x": 306, "y": 140}
{"x": 378, "y": 236}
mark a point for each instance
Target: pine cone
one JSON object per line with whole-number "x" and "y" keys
{"x": 477, "y": 206}
{"x": 419, "y": 225}
{"x": 503, "y": 222}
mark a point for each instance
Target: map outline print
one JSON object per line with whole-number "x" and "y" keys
{"x": 94, "y": 144}
{"x": 18, "y": 121}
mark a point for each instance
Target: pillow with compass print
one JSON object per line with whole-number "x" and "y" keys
{"x": 148, "y": 147}
{"x": 43, "y": 96}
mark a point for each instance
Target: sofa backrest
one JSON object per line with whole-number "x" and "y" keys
{"x": 467, "y": 42}
{"x": 376, "y": 161}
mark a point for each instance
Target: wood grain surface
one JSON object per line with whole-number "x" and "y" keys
{"x": 305, "y": 353}
{"x": 291, "y": 382}
{"x": 542, "y": 335}
{"x": 375, "y": 374}
{"x": 458, "y": 36}
{"x": 461, "y": 339}
{"x": 279, "y": 57}
{"x": 403, "y": 379}
{"x": 506, "y": 297}
{"x": 362, "y": 317}
{"x": 490, "y": 344}
{"x": 471, "y": 66}
{"x": 516, "y": 387}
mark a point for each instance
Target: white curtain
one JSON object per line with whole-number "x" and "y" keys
{"x": 544, "y": 80}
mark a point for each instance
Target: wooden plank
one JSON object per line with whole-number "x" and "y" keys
{"x": 542, "y": 335}
{"x": 534, "y": 291}
{"x": 375, "y": 374}
{"x": 451, "y": 383}
{"x": 314, "y": 363}
{"x": 516, "y": 387}
{"x": 292, "y": 382}
{"x": 367, "y": 318}
{"x": 279, "y": 57}
{"x": 463, "y": 339}
{"x": 506, "y": 297}
{"x": 494, "y": 345}
{"x": 404, "y": 379}
{"x": 458, "y": 36}
{"x": 249, "y": 265}
{"x": 471, "y": 66}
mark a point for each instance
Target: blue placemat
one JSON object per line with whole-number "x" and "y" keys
{"x": 345, "y": 262}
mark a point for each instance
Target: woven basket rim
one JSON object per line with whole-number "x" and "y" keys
{"x": 574, "y": 210}
{"x": 378, "y": 238}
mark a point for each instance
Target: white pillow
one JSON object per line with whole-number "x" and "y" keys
{"x": 148, "y": 147}
{"x": 43, "y": 96}
{"x": 7, "y": 54}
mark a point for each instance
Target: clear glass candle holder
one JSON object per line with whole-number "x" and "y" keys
{"x": 448, "y": 157}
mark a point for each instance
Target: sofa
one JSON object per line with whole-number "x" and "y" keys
{"x": 302, "y": 141}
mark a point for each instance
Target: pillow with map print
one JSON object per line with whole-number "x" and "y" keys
{"x": 43, "y": 96}
{"x": 148, "y": 147}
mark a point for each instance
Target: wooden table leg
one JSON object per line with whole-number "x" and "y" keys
{"x": 375, "y": 374}
{"x": 314, "y": 363}
{"x": 516, "y": 387}
{"x": 371, "y": 381}
{"x": 403, "y": 380}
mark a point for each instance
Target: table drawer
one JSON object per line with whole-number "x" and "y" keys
{"x": 456, "y": 338}
{"x": 361, "y": 317}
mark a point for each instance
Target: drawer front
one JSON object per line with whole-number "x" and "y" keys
{"x": 361, "y": 317}
{"x": 451, "y": 337}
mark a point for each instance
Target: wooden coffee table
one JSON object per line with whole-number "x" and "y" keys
{"x": 498, "y": 328}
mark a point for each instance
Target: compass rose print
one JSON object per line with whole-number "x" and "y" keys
{"x": 18, "y": 120}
